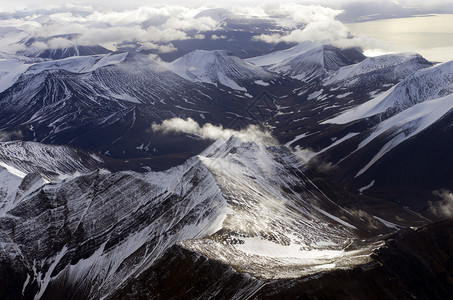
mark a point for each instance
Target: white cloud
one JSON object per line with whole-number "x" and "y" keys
{"x": 167, "y": 48}
{"x": 208, "y": 131}
{"x": 216, "y": 37}
{"x": 443, "y": 208}
{"x": 147, "y": 24}
{"x": 291, "y": 14}
{"x": 59, "y": 43}
{"x": 112, "y": 22}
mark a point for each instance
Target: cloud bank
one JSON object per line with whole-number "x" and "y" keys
{"x": 155, "y": 27}
{"x": 212, "y": 132}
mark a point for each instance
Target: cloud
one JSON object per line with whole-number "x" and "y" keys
{"x": 444, "y": 207}
{"x": 6, "y": 136}
{"x": 111, "y": 23}
{"x": 90, "y": 26}
{"x": 217, "y": 37}
{"x": 328, "y": 31}
{"x": 167, "y": 48}
{"x": 212, "y": 132}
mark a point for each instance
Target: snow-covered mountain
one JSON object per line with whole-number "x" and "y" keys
{"x": 407, "y": 126}
{"x": 105, "y": 102}
{"x": 220, "y": 67}
{"x": 309, "y": 61}
{"x": 246, "y": 204}
{"x": 317, "y": 63}
{"x": 384, "y": 69}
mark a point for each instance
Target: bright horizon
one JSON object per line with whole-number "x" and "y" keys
{"x": 430, "y": 36}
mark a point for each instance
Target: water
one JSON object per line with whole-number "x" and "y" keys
{"x": 431, "y": 36}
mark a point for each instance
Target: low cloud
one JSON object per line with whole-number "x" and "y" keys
{"x": 6, "y": 136}
{"x": 444, "y": 207}
{"x": 327, "y": 31}
{"x": 213, "y": 132}
{"x": 167, "y": 48}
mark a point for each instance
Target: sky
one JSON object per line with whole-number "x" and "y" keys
{"x": 382, "y": 26}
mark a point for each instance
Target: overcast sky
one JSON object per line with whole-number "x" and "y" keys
{"x": 154, "y": 24}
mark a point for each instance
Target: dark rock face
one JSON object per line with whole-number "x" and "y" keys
{"x": 183, "y": 274}
{"x": 413, "y": 264}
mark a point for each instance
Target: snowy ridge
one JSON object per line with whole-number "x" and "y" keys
{"x": 26, "y": 166}
{"x": 402, "y": 65}
{"x": 112, "y": 220}
{"x": 423, "y": 85}
{"x": 271, "y": 230}
{"x": 13, "y": 66}
{"x": 81, "y": 64}
{"x": 218, "y": 67}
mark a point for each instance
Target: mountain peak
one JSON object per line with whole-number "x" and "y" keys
{"x": 218, "y": 67}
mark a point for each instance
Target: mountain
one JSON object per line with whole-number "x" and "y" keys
{"x": 276, "y": 57}
{"x": 395, "y": 144}
{"x": 314, "y": 104}
{"x": 107, "y": 103}
{"x": 308, "y": 62}
{"x": 81, "y": 237}
{"x": 378, "y": 72}
{"x": 401, "y": 269}
{"x": 245, "y": 205}
{"x": 220, "y": 67}
{"x": 12, "y": 66}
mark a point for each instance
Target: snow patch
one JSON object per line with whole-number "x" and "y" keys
{"x": 366, "y": 187}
